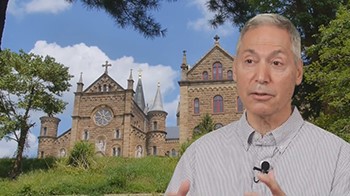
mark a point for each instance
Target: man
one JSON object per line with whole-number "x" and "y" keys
{"x": 271, "y": 150}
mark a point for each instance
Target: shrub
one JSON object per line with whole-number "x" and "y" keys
{"x": 81, "y": 155}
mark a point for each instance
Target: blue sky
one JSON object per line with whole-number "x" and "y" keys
{"x": 83, "y": 39}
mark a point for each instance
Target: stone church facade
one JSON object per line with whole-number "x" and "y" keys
{"x": 118, "y": 123}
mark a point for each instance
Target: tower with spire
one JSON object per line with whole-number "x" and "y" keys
{"x": 157, "y": 125}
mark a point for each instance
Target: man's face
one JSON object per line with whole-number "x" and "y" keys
{"x": 266, "y": 72}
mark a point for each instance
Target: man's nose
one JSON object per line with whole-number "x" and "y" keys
{"x": 262, "y": 73}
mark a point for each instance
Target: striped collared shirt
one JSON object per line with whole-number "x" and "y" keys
{"x": 306, "y": 160}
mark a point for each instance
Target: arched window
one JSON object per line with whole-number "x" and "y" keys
{"x": 117, "y": 134}
{"x": 155, "y": 125}
{"x": 205, "y": 75}
{"x": 240, "y": 107}
{"x": 217, "y": 71}
{"x": 86, "y": 135}
{"x": 116, "y": 151}
{"x": 196, "y": 106}
{"x": 45, "y": 131}
{"x": 218, "y": 104}
{"x": 105, "y": 88}
{"x": 217, "y": 126}
{"x": 42, "y": 154}
{"x": 154, "y": 150}
{"x": 173, "y": 152}
{"x": 229, "y": 75}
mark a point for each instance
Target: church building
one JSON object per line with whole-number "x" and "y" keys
{"x": 118, "y": 123}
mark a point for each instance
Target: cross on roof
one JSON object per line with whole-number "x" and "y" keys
{"x": 216, "y": 38}
{"x": 106, "y": 66}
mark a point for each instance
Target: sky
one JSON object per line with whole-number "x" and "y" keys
{"x": 83, "y": 39}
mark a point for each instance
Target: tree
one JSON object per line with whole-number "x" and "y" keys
{"x": 205, "y": 126}
{"x": 134, "y": 13}
{"x": 28, "y": 83}
{"x": 331, "y": 74}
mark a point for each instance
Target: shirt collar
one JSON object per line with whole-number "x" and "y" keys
{"x": 282, "y": 134}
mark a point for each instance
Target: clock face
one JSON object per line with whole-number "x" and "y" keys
{"x": 103, "y": 117}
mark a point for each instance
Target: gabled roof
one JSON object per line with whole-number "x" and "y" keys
{"x": 105, "y": 78}
{"x": 216, "y": 47}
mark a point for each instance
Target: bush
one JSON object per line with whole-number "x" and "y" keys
{"x": 81, "y": 155}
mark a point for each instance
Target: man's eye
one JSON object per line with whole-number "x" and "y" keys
{"x": 277, "y": 63}
{"x": 249, "y": 61}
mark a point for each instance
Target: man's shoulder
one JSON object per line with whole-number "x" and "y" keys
{"x": 225, "y": 133}
{"x": 316, "y": 133}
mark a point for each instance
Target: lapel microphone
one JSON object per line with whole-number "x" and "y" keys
{"x": 265, "y": 167}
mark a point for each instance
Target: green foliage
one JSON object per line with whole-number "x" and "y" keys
{"x": 205, "y": 126}
{"x": 331, "y": 74}
{"x": 27, "y": 166}
{"x": 82, "y": 155}
{"x": 29, "y": 82}
{"x": 111, "y": 175}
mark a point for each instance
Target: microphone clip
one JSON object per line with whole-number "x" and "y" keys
{"x": 265, "y": 168}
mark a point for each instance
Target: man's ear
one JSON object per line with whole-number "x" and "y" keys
{"x": 299, "y": 73}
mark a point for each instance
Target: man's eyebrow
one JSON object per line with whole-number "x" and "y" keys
{"x": 273, "y": 53}
{"x": 249, "y": 51}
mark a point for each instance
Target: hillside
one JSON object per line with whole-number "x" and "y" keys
{"x": 107, "y": 175}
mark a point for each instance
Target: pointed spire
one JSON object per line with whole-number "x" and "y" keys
{"x": 80, "y": 83}
{"x": 139, "y": 96}
{"x": 130, "y": 76}
{"x": 184, "y": 61}
{"x": 130, "y": 81}
{"x": 158, "y": 103}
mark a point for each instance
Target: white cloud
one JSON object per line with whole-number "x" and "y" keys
{"x": 16, "y": 7}
{"x": 89, "y": 59}
{"x": 202, "y": 23}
